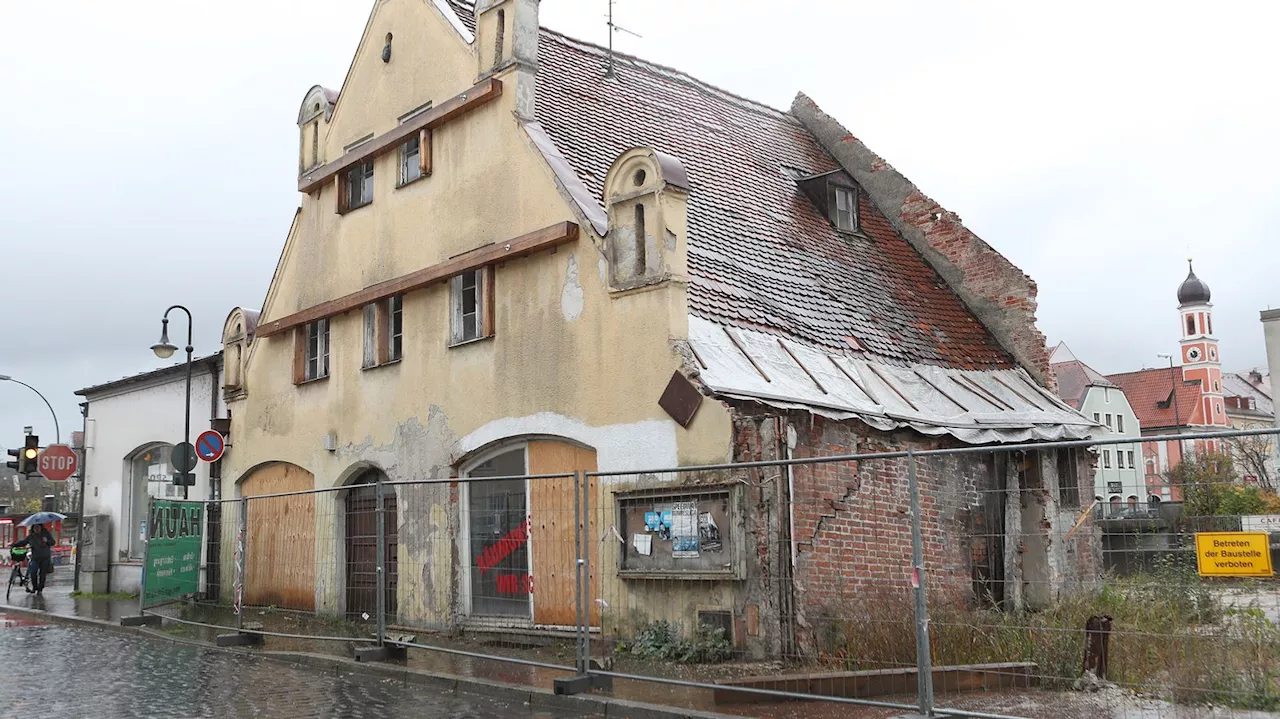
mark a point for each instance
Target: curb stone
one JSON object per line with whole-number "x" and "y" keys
{"x": 533, "y": 696}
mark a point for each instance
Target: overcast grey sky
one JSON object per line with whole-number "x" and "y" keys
{"x": 149, "y": 153}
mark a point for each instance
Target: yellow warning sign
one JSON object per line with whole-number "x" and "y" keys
{"x": 1233, "y": 554}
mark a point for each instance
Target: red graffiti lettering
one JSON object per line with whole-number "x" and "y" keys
{"x": 515, "y": 584}
{"x": 503, "y": 548}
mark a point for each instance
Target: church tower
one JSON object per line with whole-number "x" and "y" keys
{"x": 1201, "y": 360}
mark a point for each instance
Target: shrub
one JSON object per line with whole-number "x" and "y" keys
{"x": 661, "y": 641}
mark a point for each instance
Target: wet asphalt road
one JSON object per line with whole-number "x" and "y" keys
{"x": 53, "y": 670}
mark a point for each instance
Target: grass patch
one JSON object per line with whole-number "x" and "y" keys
{"x": 1172, "y": 637}
{"x": 106, "y": 595}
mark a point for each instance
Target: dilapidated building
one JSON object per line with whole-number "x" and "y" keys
{"x": 508, "y": 261}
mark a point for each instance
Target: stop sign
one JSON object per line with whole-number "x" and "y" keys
{"x": 57, "y": 462}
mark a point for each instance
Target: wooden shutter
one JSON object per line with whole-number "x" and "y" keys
{"x": 299, "y": 354}
{"x": 424, "y": 152}
{"x": 485, "y": 293}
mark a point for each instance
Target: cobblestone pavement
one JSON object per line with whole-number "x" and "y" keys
{"x": 54, "y": 670}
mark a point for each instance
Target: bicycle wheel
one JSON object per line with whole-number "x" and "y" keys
{"x": 13, "y": 577}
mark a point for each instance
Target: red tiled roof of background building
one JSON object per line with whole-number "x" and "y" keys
{"x": 1149, "y": 390}
{"x": 761, "y": 255}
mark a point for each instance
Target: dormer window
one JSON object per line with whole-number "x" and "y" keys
{"x": 843, "y": 206}
{"x": 835, "y": 194}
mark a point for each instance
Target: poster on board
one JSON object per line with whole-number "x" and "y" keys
{"x": 684, "y": 530}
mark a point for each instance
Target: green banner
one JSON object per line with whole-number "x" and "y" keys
{"x": 174, "y": 536}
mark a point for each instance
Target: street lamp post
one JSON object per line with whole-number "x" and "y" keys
{"x": 56, "y": 431}
{"x": 165, "y": 350}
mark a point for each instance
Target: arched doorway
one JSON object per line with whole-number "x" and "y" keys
{"x": 520, "y": 533}
{"x": 361, "y": 525}
{"x": 280, "y": 541}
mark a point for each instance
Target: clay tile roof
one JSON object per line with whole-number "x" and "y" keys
{"x": 761, "y": 255}
{"x": 1149, "y": 390}
{"x": 1074, "y": 377}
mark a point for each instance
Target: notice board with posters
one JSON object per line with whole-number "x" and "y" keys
{"x": 175, "y": 534}
{"x": 680, "y": 533}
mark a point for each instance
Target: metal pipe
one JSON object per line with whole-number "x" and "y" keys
{"x": 579, "y": 521}
{"x": 57, "y": 432}
{"x": 381, "y": 555}
{"x": 924, "y": 655}
{"x": 586, "y": 572}
{"x": 84, "y": 461}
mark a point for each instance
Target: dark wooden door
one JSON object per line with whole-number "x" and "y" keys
{"x": 362, "y": 550}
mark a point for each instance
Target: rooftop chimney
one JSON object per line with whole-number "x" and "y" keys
{"x": 507, "y": 44}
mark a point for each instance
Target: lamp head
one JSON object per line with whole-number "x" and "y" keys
{"x": 163, "y": 349}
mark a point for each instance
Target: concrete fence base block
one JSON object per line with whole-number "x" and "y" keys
{"x": 387, "y": 652}
{"x": 239, "y": 639}
{"x": 143, "y": 620}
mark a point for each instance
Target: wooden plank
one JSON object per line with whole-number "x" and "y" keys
{"x": 454, "y": 107}
{"x": 486, "y": 277}
{"x": 552, "y": 519}
{"x": 280, "y": 542}
{"x": 526, "y": 244}
{"x": 424, "y": 152}
{"x": 299, "y": 355}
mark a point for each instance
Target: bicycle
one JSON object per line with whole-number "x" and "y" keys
{"x": 17, "y": 576}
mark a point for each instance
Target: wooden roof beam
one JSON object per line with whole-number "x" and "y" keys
{"x": 526, "y": 244}
{"x": 446, "y": 111}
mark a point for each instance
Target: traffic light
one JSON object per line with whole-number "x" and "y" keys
{"x": 25, "y": 458}
{"x": 27, "y": 462}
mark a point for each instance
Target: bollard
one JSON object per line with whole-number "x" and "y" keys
{"x": 1097, "y": 633}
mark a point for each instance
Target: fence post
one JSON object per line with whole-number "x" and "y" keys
{"x": 381, "y": 560}
{"x": 578, "y": 524}
{"x": 242, "y": 541}
{"x": 924, "y": 657}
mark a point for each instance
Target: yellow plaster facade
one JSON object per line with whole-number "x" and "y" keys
{"x": 574, "y": 355}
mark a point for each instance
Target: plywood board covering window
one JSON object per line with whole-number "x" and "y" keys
{"x": 280, "y": 541}
{"x": 471, "y": 302}
{"x": 551, "y": 519}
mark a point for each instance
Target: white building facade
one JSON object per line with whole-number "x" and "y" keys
{"x": 131, "y": 427}
{"x": 1119, "y": 483}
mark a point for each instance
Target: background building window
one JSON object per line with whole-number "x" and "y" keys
{"x": 1120, "y": 423}
{"x": 1131, "y": 465}
{"x": 1108, "y": 420}
{"x": 471, "y": 297}
{"x": 1106, "y": 459}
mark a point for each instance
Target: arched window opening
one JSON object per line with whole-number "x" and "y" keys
{"x": 1191, "y": 324}
{"x": 149, "y": 476}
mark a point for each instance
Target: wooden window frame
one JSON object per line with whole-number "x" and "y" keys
{"x": 423, "y": 163}
{"x": 302, "y": 357}
{"x": 368, "y": 170}
{"x": 380, "y": 332}
{"x": 484, "y": 309}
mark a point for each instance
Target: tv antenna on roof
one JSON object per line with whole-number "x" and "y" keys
{"x": 613, "y": 27}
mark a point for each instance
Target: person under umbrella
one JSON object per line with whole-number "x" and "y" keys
{"x": 41, "y": 542}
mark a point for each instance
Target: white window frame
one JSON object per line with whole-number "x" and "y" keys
{"x": 395, "y": 328}
{"x": 1097, "y": 417}
{"x": 1120, "y": 423}
{"x": 464, "y": 538}
{"x": 1108, "y": 416}
{"x": 364, "y": 171}
{"x": 844, "y": 218}
{"x": 480, "y": 278}
{"x": 1106, "y": 459}
{"x": 1131, "y": 465}
{"x": 315, "y": 366}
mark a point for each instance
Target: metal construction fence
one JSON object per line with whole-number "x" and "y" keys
{"x": 1131, "y": 576}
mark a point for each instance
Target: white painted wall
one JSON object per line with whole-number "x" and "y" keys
{"x": 120, "y": 422}
{"x": 1105, "y": 401}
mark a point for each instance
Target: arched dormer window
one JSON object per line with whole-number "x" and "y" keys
{"x": 645, "y": 196}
